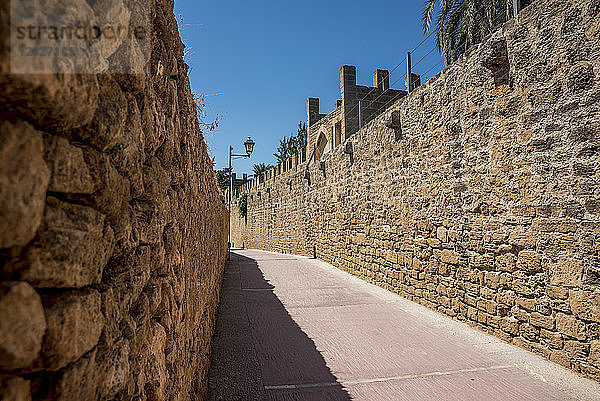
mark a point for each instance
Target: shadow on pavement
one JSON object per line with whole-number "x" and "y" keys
{"x": 259, "y": 352}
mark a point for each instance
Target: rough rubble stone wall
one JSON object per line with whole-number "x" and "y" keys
{"x": 485, "y": 205}
{"x": 112, "y": 229}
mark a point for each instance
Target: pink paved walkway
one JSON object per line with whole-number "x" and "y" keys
{"x": 292, "y": 328}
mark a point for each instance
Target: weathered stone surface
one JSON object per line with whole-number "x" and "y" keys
{"x": 69, "y": 172}
{"x": 23, "y": 182}
{"x": 567, "y": 272}
{"x": 73, "y": 247}
{"x": 449, "y": 257}
{"x": 111, "y": 189}
{"x": 98, "y": 375}
{"x": 107, "y": 127}
{"x": 594, "y": 357}
{"x": 156, "y": 181}
{"x": 494, "y": 56}
{"x": 75, "y": 322}
{"x": 80, "y": 380}
{"x": 14, "y": 389}
{"x": 22, "y": 325}
{"x": 56, "y": 102}
{"x": 129, "y": 158}
{"x": 585, "y": 304}
{"x": 60, "y": 102}
{"x": 114, "y": 367}
{"x": 156, "y": 369}
{"x": 99, "y": 251}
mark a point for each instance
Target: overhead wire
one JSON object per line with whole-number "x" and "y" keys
{"x": 492, "y": 25}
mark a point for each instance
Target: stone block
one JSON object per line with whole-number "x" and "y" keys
{"x": 450, "y": 257}
{"x": 113, "y": 364}
{"x": 557, "y": 292}
{"x": 527, "y": 304}
{"x": 23, "y": 182}
{"x": 551, "y": 338}
{"x": 525, "y": 240}
{"x": 22, "y": 325}
{"x": 69, "y": 171}
{"x": 585, "y": 304}
{"x": 506, "y": 262}
{"x": 561, "y": 358}
{"x": 156, "y": 181}
{"x": 529, "y": 261}
{"x": 75, "y": 322}
{"x": 129, "y": 159}
{"x": 539, "y": 320}
{"x": 111, "y": 190}
{"x": 13, "y": 388}
{"x": 594, "y": 356}
{"x": 566, "y": 272}
{"x": 570, "y": 326}
{"x": 442, "y": 234}
{"x": 575, "y": 349}
{"x": 58, "y": 102}
{"x": 71, "y": 250}
{"x": 107, "y": 126}
{"x": 81, "y": 380}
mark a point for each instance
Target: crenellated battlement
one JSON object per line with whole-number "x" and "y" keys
{"x": 326, "y": 131}
{"x": 359, "y": 105}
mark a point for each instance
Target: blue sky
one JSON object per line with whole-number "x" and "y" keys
{"x": 258, "y": 61}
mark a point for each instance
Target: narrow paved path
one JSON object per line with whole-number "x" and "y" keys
{"x": 293, "y": 328}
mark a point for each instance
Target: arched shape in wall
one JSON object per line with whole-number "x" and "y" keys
{"x": 321, "y": 144}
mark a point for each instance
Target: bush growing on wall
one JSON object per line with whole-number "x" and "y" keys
{"x": 243, "y": 205}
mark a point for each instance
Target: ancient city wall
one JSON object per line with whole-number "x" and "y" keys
{"x": 476, "y": 195}
{"x": 113, "y": 233}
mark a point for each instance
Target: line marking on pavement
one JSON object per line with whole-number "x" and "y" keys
{"x": 385, "y": 379}
{"x": 299, "y": 386}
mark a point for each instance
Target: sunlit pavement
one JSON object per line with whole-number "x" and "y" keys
{"x": 293, "y": 328}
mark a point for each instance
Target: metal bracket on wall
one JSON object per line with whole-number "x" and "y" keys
{"x": 393, "y": 121}
{"x": 307, "y": 176}
{"x": 349, "y": 150}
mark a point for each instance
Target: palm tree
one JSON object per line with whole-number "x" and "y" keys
{"x": 463, "y": 23}
{"x": 260, "y": 169}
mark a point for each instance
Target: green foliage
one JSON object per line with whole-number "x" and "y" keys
{"x": 243, "y": 205}
{"x": 222, "y": 179}
{"x": 461, "y": 24}
{"x": 260, "y": 169}
{"x": 301, "y": 135}
{"x": 292, "y": 145}
{"x": 199, "y": 101}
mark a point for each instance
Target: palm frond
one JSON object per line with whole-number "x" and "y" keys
{"x": 461, "y": 24}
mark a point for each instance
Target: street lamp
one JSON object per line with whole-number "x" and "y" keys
{"x": 249, "y": 145}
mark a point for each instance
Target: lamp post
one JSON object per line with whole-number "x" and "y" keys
{"x": 249, "y": 145}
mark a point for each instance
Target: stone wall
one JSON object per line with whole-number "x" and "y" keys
{"x": 476, "y": 195}
{"x": 112, "y": 229}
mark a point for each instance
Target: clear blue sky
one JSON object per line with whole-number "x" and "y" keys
{"x": 261, "y": 59}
